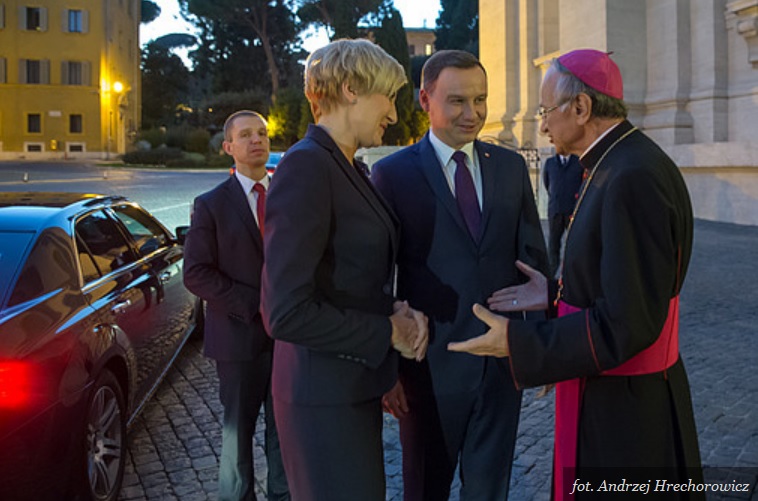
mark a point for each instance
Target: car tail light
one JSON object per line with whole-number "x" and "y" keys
{"x": 15, "y": 384}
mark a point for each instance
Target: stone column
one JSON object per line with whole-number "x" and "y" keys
{"x": 525, "y": 129}
{"x": 498, "y": 26}
{"x": 669, "y": 57}
{"x": 709, "y": 104}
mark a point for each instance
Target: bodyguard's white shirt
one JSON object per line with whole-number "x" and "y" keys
{"x": 252, "y": 195}
{"x": 445, "y": 157}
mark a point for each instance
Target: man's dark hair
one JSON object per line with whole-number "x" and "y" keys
{"x": 446, "y": 59}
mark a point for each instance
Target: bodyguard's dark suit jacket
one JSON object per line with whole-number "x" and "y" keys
{"x": 327, "y": 282}
{"x": 441, "y": 269}
{"x": 223, "y": 257}
{"x": 562, "y": 184}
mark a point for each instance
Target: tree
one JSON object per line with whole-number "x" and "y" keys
{"x": 341, "y": 16}
{"x": 213, "y": 111}
{"x": 245, "y": 24}
{"x": 285, "y": 116}
{"x": 458, "y": 26}
{"x": 391, "y": 37}
{"x": 175, "y": 40}
{"x": 164, "y": 84}
{"x": 226, "y": 60}
{"x": 150, "y": 11}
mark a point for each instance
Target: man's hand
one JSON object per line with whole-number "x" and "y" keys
{"x": 410, "y": 333}
{"x": 422, "y": 336}
{"x": 394, "y": 402}
{"x": 531, "y": 296}
{"x": 494, "y": 342}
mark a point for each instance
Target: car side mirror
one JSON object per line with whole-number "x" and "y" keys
{"x": 181, "y": 234}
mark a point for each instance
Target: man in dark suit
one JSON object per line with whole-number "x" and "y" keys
{"x": 467, "y": 211}
{"x": 562, "y": 176}
{"x": 223, "y": 259}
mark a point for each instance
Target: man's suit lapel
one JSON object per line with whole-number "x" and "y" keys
{"x": 489, "y": 181}
{"x": 430, "y": 166}
{"x": 242, "y": 207}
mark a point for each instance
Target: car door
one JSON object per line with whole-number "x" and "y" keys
{"x": 117, "y": 285}
{"x": 171, "y": 302}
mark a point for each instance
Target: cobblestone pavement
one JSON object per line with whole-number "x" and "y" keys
{"x": 174, "y": 445}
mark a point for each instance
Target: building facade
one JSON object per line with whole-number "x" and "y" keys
{"x": 69, "y": 78}
{"x": 690, "y": 70}
{"x": 420, "y": 41}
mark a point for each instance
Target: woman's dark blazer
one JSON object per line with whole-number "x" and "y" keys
{"x": 327, "y": 293}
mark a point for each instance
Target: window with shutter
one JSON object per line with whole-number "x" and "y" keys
{"x": 74, "y": 73}
{"x": 33, "y": 71}
{"x": 22, "y": 71}
{"x": 33, "y": 18}
{"x": 44, "y": 71}
{"x": 86, "y": 72}
{"x": 75, "y": 21}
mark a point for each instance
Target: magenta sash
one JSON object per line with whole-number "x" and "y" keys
{"x": 659, "y": 356}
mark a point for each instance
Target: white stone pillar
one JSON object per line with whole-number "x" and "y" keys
{"x": 709, "y": 103}
{"x": 498, "y": 52}
{"x": 525, "y": 127}
{"x": 669, "y": 57}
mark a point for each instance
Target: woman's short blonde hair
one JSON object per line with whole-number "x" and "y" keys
{"x": 365, "y": 66}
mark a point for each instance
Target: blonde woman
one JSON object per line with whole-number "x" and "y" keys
{"x": 327, "y": 295}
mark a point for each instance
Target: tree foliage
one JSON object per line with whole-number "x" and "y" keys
{"x": 213, "y": 111}
{"x": 150, "y": 11}
{"x": 239, "y": 32}
{"x": 458, "y": 26}
{"x": 175, "y": 40}
{"x": 164, "y": 84}
{"x": 341, "y": 16}
{"x": 391, "y": 37}
{"x": 248, "y": 55}
{"x": 285, "y": 116}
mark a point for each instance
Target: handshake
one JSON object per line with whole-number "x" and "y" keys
{"x": 410, "y": 331}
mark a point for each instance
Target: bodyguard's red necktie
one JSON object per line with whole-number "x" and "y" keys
{"x": 465, "y": 195}
{"x": 260, "y": 204}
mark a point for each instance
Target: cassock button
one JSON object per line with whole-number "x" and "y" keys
{"x": 387, "y": 289}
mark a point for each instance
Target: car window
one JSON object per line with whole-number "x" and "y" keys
{"x": 104, "y": 241}
{"x": 148, "y": 235}
{"x": 90, "y": 270}
{"x": 13, "y": 247}
{"x": 50, "y": 266}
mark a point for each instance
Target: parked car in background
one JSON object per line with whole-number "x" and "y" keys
{"x": 273, "y": 160}
{"x": 93, "y": 311}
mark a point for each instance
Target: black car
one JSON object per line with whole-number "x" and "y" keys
{"x": 92, "y": 313}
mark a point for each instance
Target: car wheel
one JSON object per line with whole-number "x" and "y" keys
{"x": 105, "y": 436}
